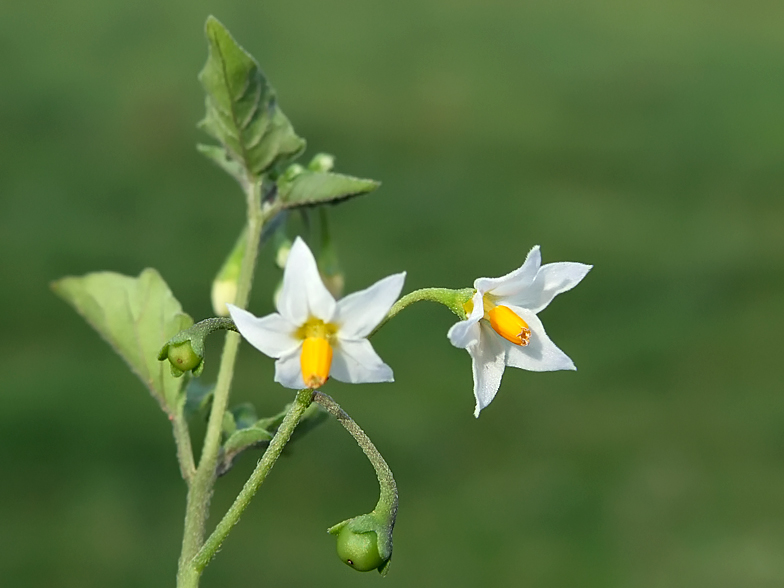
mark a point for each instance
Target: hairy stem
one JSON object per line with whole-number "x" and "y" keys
{"x": 452, "y": 299}
{"x": 200, "y": 492}
{"x": 282, "y": 436}
{"x": 182, "y": 438}
{"x": 387, "y": 500}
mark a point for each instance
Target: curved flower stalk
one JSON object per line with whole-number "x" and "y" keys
{"x": 502, "y": 328}
{"x": 312, "y": 336}
{"x": 364, "y": 542}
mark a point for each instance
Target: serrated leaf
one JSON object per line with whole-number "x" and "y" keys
{"x": 136, "y": 316}
{"x": 310, "y": 188}
{"x": 242, "y": 111}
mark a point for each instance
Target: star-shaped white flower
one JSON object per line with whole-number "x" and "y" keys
{"x": 502, "y": 328}
{"x": 312, "y": 336}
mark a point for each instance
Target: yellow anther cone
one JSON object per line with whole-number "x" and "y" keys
{"x": 510, "y": 326}
{"x": 316, "y": 359}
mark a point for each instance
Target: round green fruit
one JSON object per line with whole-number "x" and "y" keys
{"x": 359, "y": 550}
{"x": 183, "y": 357}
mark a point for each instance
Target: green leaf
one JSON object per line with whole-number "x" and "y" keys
{"x": 221, "y": 158}
{"x": 242, "y": 111}
{"x": 244, "y": 415}
{"x": 136, "y": 316}
{"x": 244, "y": 437}
{"x": 238, "y": 442}
{"x": 198, "y": 396}
{"x": 309, "y": 188}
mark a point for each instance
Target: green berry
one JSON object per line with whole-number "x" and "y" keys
{"x": 359, "y": 550}
{"x": 182, "y": 356}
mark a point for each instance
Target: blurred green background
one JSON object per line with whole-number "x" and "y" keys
{"x": 645, "y": 138}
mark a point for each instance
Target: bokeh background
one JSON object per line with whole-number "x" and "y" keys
{"x": 645, "y": 138}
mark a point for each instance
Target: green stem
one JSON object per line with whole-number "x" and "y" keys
{"x": 387, "y": 501}
{"x": 282, "y": 436}
{"x": 210, "y": 325}
{"x": 182, "y": 438}
{"x": 452, "y": 299}
{"x": 200, "y": 492}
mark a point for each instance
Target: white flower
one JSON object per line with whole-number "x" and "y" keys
{"x": 502, "y": 328}
{"x": 314, "y": 337}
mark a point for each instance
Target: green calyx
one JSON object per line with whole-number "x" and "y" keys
{"x": 185, "y": 351}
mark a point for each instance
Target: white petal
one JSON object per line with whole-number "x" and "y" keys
{"x": 272, "y": 334}
{"x": 288, "y": 370}
{"x": 513, "y": 282}
{"x": 303, "y": 294}
{"x": 358, "y": 314}
{"x": 464, "y": 333}
{"x": 356, "y": 362}
{"x": 552, "y": 279}
{"x": 487, "y": 363}
{"x": 541, "y": 354}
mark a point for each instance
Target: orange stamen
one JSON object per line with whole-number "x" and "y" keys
{"x": 510, "y": 326}
{"x": 315, "y": 361}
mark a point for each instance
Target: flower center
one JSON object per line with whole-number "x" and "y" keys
{"x": 316, "y": 357}
{"x": 504, "y": 321}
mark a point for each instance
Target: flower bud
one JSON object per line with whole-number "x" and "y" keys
{"x": 224, "y": 287}
{"x": 291, "y": 172}
{"x": 223, "y": 292}
{"x": 282, "y": 252}
{"x": 334, "y": 283}
{"x": 322, "y": 162}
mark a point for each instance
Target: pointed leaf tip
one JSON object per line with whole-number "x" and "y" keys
{"x": 310, "y": 188}
{"x": 242, "y": 111}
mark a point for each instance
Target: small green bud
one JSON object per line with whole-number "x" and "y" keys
{"x": 282, "y": 253}
{"x": 334, "y": 283}
{"x": 322, "y": 162}
{"x": 359, "y": 550}
{"x": 224, "y": 287}
{"x": 183, "y": 358}
{"x": 223, "y": 292}
{"x": 292, "y": 172}
{"x": 328, "y": 263}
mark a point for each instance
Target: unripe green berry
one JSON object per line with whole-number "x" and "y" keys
{"x": 182, "y": 356}
{"x": 359, "y": 550}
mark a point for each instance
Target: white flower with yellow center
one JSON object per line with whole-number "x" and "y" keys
{"x": 502, "y": 328}
{"x": 312, "y": 336}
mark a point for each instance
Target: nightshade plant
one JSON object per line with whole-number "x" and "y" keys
{"x": 314, "y": 336}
